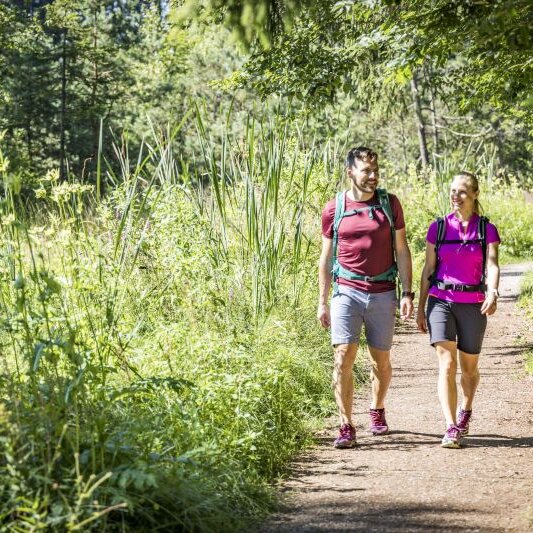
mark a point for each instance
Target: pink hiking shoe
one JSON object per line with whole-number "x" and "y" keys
{"x": 463, "y": 421}
{"x": 452, "y": 437}
{"x": 378, "y": 424}
{"x": 346, "y": 438}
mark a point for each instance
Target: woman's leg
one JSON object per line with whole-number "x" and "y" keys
{"x": 447, "y": 386}
{"x": 469, "y": 378}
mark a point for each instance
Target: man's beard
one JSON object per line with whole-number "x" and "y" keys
{"x": 366, "y": 187}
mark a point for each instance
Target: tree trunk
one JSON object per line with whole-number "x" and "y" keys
{"x": 424, "y": 156}
{"x": 62, "y": 155}
{"x": 434, "y": 122}
{"x": 95, "y": 121}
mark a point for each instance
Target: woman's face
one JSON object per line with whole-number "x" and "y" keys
{"x": 462, "y": 196}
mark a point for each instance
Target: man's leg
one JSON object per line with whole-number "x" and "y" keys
{"x": 343, "y": 380}
{"x": 380, "y": 375}
{"x": 346, "y": 322}
{"x": 379, "y": 328}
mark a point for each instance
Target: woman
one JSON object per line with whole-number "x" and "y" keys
{"x": 461, "y": 276}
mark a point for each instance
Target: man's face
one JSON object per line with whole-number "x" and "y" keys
{"x": 365, "y": 175}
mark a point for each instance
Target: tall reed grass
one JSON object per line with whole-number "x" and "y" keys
{"x": 162, "y": 360}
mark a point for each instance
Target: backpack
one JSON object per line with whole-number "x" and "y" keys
{"x": 338, "y": 270}
{"x": 481, "y": 239}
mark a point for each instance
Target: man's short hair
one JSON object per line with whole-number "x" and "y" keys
{"x": 362, "y": 153}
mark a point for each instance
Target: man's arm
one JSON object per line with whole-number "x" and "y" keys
{"x": 324, "y": 281}
{"x": 405, "y": 268}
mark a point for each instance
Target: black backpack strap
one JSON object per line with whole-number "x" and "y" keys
{"x": 441, "y": 233}
{"x": 482, "y": 235}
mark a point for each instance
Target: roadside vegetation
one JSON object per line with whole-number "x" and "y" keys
{"x": 162, "y": 360}
{"x": 161, "y": 187}
{"x": 526, "y": 302}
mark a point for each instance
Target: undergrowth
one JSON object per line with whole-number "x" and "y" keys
{"x": 162, "y": 359}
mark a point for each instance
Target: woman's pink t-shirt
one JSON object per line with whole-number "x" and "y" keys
{"x": 460, "y": 263}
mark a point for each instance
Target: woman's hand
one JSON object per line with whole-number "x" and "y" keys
{"x": 323, "y": 315}
{"x": 421, "y": 320}
{"x": 489, "y": 305}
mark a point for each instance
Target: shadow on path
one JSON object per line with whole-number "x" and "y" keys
{"x": 371, "y": 515}
{"x": 498, "y": 441}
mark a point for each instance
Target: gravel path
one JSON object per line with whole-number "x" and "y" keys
{"x": 404, "y": 481}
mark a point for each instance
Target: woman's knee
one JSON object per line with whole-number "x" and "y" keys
{"x": 469, "y": 365}
{"x": 448, "y": 368}
{"x": 447, "y": 358}
{"x": 470, "y": 373}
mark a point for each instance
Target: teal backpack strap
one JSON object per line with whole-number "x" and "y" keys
{"x": 340, "y": 205}
{"x": 384, "y": 201}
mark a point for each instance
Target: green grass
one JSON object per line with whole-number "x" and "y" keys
{"x": 162, "y": 359}
{"x": 526, "y": 302}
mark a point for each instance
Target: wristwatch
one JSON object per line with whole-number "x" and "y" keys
{"x": 408, "y": 295}
{"x": 493, "y": 291}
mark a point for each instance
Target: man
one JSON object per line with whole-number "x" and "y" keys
{"x": 360, "y": 257}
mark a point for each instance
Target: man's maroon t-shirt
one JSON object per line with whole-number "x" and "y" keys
{"x": 364, "y": 244}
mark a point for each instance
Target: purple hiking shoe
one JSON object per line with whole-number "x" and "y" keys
{"x": 378, "y": 424}
{"x": 346, "y": 438}
{"x": 463, "y": 421}
{"x": 452, "y": 437}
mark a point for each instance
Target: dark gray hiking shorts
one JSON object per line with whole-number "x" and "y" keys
{"x": 351, "y": 308}
{"x": 460, "y": 323}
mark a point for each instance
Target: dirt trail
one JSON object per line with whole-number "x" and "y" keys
{"x": 405, "y": 481}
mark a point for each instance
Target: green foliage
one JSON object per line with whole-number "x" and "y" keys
{"x": 251, "y": 21}
{"x": 526, "y": 302}
{"x": 161, "y": 362}
{"x": 485, "y": 47}
{"x": 162, "y": 359}
{"x": 470, "y": 60}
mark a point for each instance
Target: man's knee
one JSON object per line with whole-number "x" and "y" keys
{"x": 345, "y": 357}
{"x": 380, "y": 360}
{"x": 381, "y": 365}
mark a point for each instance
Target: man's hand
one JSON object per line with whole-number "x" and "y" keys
{"x": 489, "y": 306}
{"x": 421, "y": 321}
{"x": 323, "y": 315}
{"x": 406, "y": 308}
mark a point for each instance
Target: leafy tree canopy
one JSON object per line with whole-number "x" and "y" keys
{"x": 479, "y": 50}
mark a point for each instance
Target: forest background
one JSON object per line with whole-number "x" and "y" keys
{"x": 163, "y": 168}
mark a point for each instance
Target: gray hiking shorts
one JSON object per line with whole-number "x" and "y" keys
{"x": 351, "y": 308}
{"x": 460, "y": 323}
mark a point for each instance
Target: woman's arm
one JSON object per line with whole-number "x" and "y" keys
{"x": 493, "y": 280}
{"x": 429, "y": 268}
